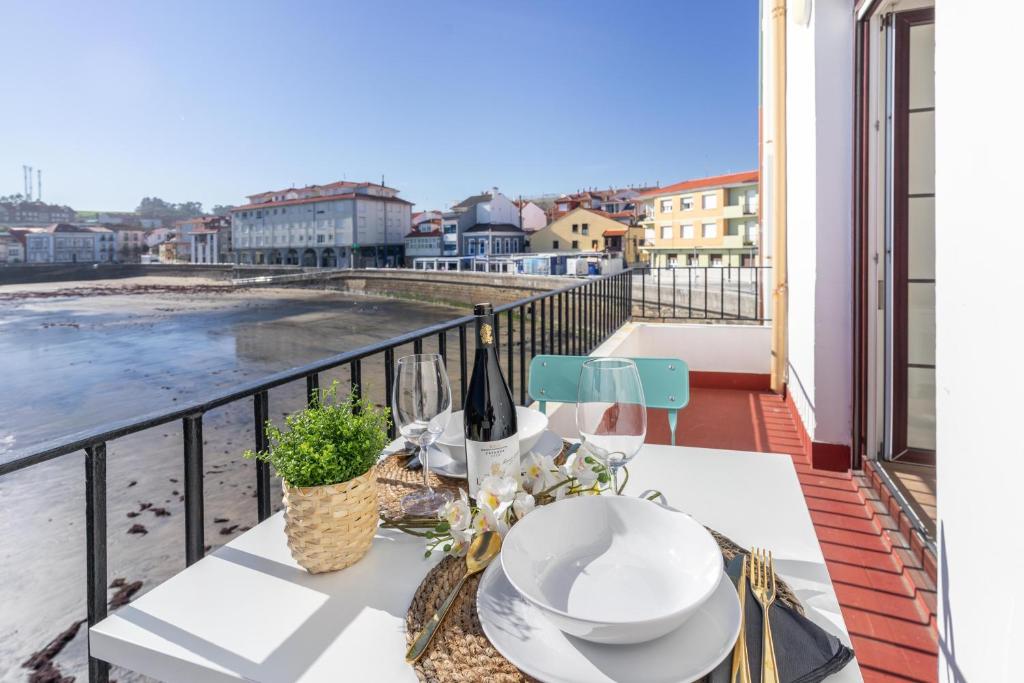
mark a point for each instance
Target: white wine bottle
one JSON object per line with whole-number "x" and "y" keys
{"x": 492, "y": 439}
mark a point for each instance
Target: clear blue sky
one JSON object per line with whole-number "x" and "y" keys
{"x": 211, "y": 101}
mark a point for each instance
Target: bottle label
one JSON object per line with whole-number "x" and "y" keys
{"x": 487, "y": 458}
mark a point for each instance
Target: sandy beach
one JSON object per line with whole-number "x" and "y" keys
{"x": 76, "y": 356}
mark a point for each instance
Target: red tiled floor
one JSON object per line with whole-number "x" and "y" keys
{"x": 890, "y": 632}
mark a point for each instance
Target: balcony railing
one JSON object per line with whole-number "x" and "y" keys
{"x": 574, "y": 320}
{"x": 702, "y": 293}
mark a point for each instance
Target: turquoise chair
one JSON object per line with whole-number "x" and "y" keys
{"x": 666, "y": 382}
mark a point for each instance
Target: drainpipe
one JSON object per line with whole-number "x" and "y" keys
{"x": 780, "y": 281}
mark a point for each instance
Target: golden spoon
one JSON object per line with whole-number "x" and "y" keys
{"x": 481, "y": 551}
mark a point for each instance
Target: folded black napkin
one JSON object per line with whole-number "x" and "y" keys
{"x": 803, "y": 651}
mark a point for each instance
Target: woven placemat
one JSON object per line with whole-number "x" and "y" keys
{"x": 460, "y": 652}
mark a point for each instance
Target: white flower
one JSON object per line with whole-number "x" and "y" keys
{"x": 540, "y": 473}
{"x": 496, "y": 494}
{"x": 523, "y": 504}
{"x": 460, "y": 542}
{"x": 457, "y": 513}
{"x": 485, "y": 519}
{"x": 582, "y": 470}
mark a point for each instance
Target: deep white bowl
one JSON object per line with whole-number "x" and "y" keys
{"x": 531, "y": 424}
{"x": 612, "y": 569}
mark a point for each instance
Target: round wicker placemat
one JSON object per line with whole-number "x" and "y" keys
{"x": 460, "y": 652}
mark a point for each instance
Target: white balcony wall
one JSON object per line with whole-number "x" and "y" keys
{"x": 819, "y": 121}
{"x": 979, "y": 370}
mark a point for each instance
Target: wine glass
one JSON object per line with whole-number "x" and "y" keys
{"x": 611, "y": 414}
{"x": 421, "y": 405}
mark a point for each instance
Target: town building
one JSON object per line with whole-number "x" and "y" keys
{"x": 12, "y": 251}
{"x": 532, "y": 216}
{"x": 477, "y": 214}
{"x": 342, "y": 224}
{"x": 129, "y": 243}
{"x": 34, "y": 213}
{"x": 425, "y": 238}
{"x": 619, "y": 203}
{"x": 704, "y": 222}
{"x": 209, "y": 239}
{"x": 587, "y": 230}
{"x": 67, "y": 243}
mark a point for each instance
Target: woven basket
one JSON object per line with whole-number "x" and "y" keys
{"x": 331, "y": 527}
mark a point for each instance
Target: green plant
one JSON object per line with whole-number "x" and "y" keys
{"x": 329, "y": 443}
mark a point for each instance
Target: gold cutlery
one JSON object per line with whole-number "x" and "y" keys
{"x": 482, "y": 550}
{"x": 762, "y": 584}
{"x": 740, "y": 660}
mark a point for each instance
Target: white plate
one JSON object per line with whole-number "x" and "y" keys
{"x": 521, "y": 633}
{"x": 445, "y": 465}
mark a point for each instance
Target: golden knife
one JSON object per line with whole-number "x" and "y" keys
{"x": 740, "y": 660}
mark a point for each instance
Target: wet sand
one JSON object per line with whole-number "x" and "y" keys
{"x": 75, "y": 357}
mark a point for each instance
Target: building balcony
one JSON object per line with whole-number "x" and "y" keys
{"x": 719, "y": 328}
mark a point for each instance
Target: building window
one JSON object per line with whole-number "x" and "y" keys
{"x": 554, "y": 244}
{"x": 686, "y": 231}
{"x": 593, "y": 245}
{"x": 666, "y": 205}
{"x": 497, "y": 246}
{"x": 686, "y": 202}
{"x": 586, "y": 229}
{"x": 709, "y": 230}
{"x": 575, "y": 228}
{"x": 709, "y": 200}
{"x": 575, "y": 244}
{"x": 666, "y": 232}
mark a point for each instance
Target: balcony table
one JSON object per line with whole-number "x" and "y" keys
{"x": 247, "y": 611}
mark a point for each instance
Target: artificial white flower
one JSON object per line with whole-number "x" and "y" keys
{"x": 540, "y": 473}
{"x": 496, "y": 494}
{"x": 582, "y": 470}
{"x": 457, "y": 512}
{"x": 523, "y": 504}
{"x": 486, "y": 519}
{"x": 460, "y": 542}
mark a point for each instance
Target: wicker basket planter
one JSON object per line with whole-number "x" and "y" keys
{"x": 331, "y": 527}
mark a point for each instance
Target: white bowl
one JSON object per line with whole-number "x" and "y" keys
{"x": 612, "y": 569}
{"x": 531, "y": 424}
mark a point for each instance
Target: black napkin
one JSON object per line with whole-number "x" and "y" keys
{"x": 803, "y": 651}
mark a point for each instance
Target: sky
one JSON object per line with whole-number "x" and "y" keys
{"x": 213, "y": 101}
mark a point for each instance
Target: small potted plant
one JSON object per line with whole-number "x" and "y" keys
{"x": 326, "y": 458}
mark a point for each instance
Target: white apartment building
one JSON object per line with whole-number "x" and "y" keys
{"x": 342, "y": 224}
{"x": 66, "y": 243}
{"x": 128, "y": 244}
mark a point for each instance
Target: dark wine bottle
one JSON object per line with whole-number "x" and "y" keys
{"x": 492, "y": 441}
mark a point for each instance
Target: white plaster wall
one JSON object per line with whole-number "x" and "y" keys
{"x": 978, "y": 348}
{"x": 499, "y": 210}
{"x": 819, "y": 165}
{"x": 534, "y": 217}
{"x": 704, "y": 348}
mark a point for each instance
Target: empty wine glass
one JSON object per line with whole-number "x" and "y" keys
{"x": 421, "y": 405}
{"x": 611, "y": 415}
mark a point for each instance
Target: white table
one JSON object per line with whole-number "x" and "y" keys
{"x": 249, "y": 612}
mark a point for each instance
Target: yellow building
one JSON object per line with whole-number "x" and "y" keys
{"x": 704, "y": 222}
{"x": 586, "y": 230}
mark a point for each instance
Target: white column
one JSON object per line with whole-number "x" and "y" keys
{"x": 192, "y": 241}
{"x": 215, "y": 256}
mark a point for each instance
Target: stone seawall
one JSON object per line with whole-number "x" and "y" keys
{"x": 455, "y": 288}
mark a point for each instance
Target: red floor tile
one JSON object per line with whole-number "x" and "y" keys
{"x": 889, "y": 629}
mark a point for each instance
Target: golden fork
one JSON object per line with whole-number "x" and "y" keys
{"x": 762, "y": 584}
{"x": 740, "y": 659}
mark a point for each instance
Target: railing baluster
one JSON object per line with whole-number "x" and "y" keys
{"x": 689, "y": 292}
{"x": 522, "y": 358}
{"x": 551, "y": 324}
{"x": 739, "y": 297}
{"x": 643, "y": 292}
{"x": 442, "y": 347}
{"x": 533, "y": 330}
{"x": 497, "y": 339}
{"x": 509, "y": 356}
{"x": 417, "y": 345}
{"x": 721, "y": 294}
{"x": 356, "y": 378}
{"x": 579, "y": 321}
{"x": 673, "y": 292}
{"x": 659, "y": 293}
{"x": 313, "y": 390}
{"x": 561, "y": 324}
{"x": 389, "y": 384}
{"x": 705, "y": 292}
{"x": 194, "y": 533}
{"x": 543, "y": 320}
{"x": 260, "y": 415}
{"x": 757, "y": 293}
{"x": 96, "y": 548}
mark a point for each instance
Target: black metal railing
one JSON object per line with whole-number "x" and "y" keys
{"x": 575, "y": 320}
{"x": 702, "y": 293}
